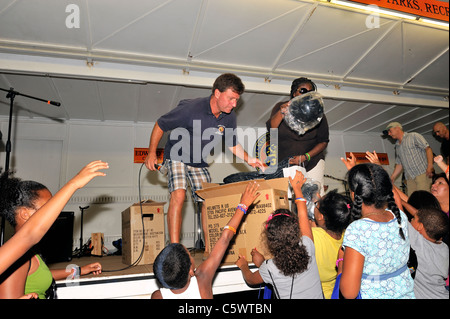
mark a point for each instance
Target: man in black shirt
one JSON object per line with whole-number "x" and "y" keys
{"x": 304, "y": 150}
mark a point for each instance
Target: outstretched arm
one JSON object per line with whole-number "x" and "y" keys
{"x": 297, "y": 183}
{"x": 207, "y": 269}
{"x": 38, "y": 224}
{"x": 251, "y": 278}
{"x": 439, "y": 160}
{"x": 239, "y": 151}
{"x": 60, "y": 274}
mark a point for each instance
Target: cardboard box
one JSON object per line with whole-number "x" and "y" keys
{"x": 132, "y": 239}
{"x": 221, "y": 202}
{"x": 97, "y": 240}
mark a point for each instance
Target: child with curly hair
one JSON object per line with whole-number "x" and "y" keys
{"x": 293, "y": 269}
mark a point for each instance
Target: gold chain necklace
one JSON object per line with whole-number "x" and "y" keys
{"x": 374, "y": 213}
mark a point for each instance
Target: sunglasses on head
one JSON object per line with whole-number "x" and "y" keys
{"x": 304, "y": 90}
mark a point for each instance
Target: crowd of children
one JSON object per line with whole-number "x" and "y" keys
{"x": 359, "y": 247}
{"x": 365, "y": 243}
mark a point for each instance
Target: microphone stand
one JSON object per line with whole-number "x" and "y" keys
{"x": 11, "y": 95}
{"x": 82, "y": 250}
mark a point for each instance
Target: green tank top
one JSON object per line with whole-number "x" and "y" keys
{"x": 40, "y": 280}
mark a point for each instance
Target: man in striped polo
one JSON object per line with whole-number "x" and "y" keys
{"x": 414, "y": 156}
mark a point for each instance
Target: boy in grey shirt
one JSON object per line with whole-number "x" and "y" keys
{"x": 426, "y": 230}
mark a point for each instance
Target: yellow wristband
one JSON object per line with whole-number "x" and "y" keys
{"x": 230, "y": 228}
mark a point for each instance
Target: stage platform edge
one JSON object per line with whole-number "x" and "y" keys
{"x": 137, "y": 282}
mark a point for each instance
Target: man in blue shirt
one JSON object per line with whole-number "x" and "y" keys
{"x": 197, "y": 126}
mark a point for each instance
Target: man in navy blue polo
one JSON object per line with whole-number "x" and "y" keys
{"x": 197, "y": 126}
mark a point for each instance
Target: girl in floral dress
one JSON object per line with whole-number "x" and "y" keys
{"x": 376, "y": 244}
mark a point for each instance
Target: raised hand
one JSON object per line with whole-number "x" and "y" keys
{"x": 373, "y": 157}
{"x": 256, "y": 163}
{"x": 87, "y": 173}
{"x": 250, "y": 193}
{"x": 349, "y": 162}
{"x": 297, "y": 182}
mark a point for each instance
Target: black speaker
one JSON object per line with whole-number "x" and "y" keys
{"x": 56, "y": 245}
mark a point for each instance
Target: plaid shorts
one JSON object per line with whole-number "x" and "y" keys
{"x": 179, "y": 174}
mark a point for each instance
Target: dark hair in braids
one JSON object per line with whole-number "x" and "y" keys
{"x": 371, "y": 185}
{"x": 16, "y": 193}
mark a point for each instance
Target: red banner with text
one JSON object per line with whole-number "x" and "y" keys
{"x": 432, "y": 9}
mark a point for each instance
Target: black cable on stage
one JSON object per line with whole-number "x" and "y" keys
{"x": 143, "y": 228}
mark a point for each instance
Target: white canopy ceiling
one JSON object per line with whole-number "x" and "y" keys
{"x": 134, "y": 60}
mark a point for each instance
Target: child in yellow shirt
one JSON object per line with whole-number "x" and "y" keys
{"x": 332, "y": 216}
